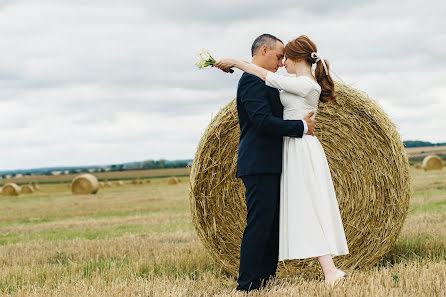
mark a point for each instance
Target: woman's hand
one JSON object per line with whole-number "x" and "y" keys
{"x": 225, "y": 64}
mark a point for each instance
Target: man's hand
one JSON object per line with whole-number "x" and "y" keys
{"x": 310, "y": 123}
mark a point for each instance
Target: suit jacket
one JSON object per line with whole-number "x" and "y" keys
{"x": 261, "y": 127}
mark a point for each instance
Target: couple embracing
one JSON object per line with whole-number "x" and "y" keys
{"x": 292, "y": 210}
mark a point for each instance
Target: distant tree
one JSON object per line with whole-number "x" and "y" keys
{"x": 419, "y": 143}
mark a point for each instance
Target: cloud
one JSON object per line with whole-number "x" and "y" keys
{"x": 88, "y": 82}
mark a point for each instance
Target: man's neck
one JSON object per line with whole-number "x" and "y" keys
{"x": 256, "y": 61}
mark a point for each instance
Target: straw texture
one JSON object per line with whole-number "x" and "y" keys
{"x": 432, "y": 162}
{"x": 11, "y": 189}
{"x": 85, "y": 184}
{"x": 369, "y": 167}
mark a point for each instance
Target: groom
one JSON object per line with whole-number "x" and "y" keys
{"x": 259, "y": 163}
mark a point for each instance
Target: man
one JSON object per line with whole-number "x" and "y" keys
{"x": 259, "y": 163}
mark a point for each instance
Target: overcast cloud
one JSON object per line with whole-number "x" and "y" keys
{"x": 102, "y": 82}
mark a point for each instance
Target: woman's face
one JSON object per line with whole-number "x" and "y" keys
{"x": 290, "y": 65}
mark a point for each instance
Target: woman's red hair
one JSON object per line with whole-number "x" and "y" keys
{"x": 301, "y": 49}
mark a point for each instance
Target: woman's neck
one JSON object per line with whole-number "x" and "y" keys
{"x": 303, "y": 69}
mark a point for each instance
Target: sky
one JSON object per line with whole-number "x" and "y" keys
{"x": 105, "y": 82}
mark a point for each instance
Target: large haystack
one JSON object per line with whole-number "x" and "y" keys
{"x": 27, "y": 189}
{"x": 369, "y": 168}
{"x": 85, "y": 184}
{"x": 11, "y": 189}
{"x": 173, "y": 181}
{"x": 432, "y": 162}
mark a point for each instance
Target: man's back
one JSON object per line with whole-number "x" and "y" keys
{"x": 259, "y": 151}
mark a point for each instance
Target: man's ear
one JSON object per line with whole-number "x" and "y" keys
{"x": 264, "y": 49}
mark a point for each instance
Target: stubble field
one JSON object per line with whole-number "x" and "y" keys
{"x": 138, "y": 240}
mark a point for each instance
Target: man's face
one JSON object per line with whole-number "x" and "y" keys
{"x": 274, "y": 57}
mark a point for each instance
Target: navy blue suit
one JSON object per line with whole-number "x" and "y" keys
{"x": 259, "y": 165}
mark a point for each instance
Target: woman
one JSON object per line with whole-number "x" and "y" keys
{"x": 310, "y": 222}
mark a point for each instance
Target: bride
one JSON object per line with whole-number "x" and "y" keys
{"x": 310, "y": 223}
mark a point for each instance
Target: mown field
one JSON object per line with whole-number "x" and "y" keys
{"x": 138, "y": 240}
{"x": 417, "y": 154}
{"x": 111, "y": 175}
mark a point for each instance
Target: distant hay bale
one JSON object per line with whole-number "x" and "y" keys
{"x": 369, "y": 168}
{"x": 101, "y": 184}
{"x": 432, "y": 162}
{"x": 108, "y": 184}
{"x": 418, "y": 166}
{"x": 11, "y": 189}
{"x": 173, "y": 181}
{"x": 85, "y": 184}
{"x": 36, "y": 187}
{"x": 27, "y": 189}
{"x": 148, "y": 181}
{"x": 136, "y": 181}
{"x": 119, "y": 183}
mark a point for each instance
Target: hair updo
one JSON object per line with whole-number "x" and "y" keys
{"x": 301, "y": 49}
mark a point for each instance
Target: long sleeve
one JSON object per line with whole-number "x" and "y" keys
{"x": 300, "y": 86}
{"x": 253, "y": 97}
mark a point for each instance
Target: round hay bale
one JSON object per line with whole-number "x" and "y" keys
{"x": 85, "y": 184}
{"x": 432, "y": 162}
{"x": 119, "y": 183}
{"x": 11, "y": 189}
{"x": 173, "y": 181}
{"x": 27, "y": 189}
{"x": 136, "y": 181}
{"x": 418, "y": 166}
{"x": 35, "y": 187}
{"x": 101, "y": 184}
{"x": 108, "y": 184}
{"x": 369, "y": 168}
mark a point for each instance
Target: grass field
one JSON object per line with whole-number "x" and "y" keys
{"x": 138, "y": 240}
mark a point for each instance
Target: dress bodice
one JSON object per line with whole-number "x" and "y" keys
{"x": 298, "y": 95}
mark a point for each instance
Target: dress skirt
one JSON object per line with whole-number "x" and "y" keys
{"x": 310, "y": 222}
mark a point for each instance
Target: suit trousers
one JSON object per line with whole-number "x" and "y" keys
{"x": 260, "y": 243}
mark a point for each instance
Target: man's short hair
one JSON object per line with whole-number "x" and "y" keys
{"x": 264, "y": 39}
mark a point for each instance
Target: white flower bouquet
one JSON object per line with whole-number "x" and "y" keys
{"x": 205, "y": 59}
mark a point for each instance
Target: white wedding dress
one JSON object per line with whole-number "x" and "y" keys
{"x": 310, "y": 223}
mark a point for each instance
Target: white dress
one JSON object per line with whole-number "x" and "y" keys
{"x": 310, "y": 224}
